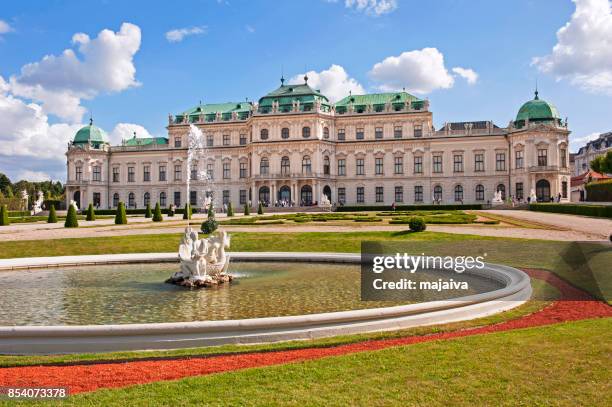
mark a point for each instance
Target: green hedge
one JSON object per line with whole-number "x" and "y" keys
{"x": 138, "y": 211}
{"x": 599, "y": 191}
{"x": 406, "y": 207}
{"x": 602, "y": 211}
{"x": 18, "y": 214}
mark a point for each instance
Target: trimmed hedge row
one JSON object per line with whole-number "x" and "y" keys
{"x": 602, "y": 211}
{"x": 139, "y": 211}
{"x": 18, "y": 214}
{"x": 599, "y": 191}
{"x": 406, "y": 207}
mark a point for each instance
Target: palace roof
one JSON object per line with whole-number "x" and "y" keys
{"x": 90, "y": 134}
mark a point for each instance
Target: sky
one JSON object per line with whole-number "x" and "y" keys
{"x": 129, "y": 64}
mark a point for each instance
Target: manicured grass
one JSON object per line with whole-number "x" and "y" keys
{"x": 563, "y": 364}
{"x": 543, "y": 291}
{"x": 522, "y": 223}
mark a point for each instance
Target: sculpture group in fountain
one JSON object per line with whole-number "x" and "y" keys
{"x": 204, "y": 262}
{"x": 497, "y": 198}
{"x": 38, "y": 204}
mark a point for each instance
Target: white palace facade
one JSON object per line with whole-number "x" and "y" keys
{"x": 294, "y": 145}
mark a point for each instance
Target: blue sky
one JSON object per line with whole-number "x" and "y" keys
{"x": 239, "y": 48}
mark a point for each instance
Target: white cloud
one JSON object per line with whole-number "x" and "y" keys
{"x": 468, "y": 74}
{"x": 250, "y": 28}
{"x": 5, "y": 27}
{"x": 177, "y": 35}
{"x": 60, "y": 82}
{"x": 583, "y": 53}
{"x": 372, "y": 7}
{"x": 126, "y": 130}
{"x": 33, "y": 176}
{"x": 334, "y": 82}
{"x": 577, "y": 142}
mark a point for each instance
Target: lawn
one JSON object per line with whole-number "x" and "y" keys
{"x": 562, "y": 364}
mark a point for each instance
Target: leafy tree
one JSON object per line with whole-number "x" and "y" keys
{"x": 157, "y": 215}
{"x": 71, "y": 218}
{"x": 9, "y": 192}
{"x": 417, "y": 224}
{"x": 187, "y": 212}
{"x": 52, "y": 215}
{"x": 148, "y": 212}
{"x": 230, "y": 209}
{"x": 247, "y": 208}
{"x": 4, "y": 220}
{"x": 5, "y": 183}
{"x": 91, "y": 214}
{"x": 260, "y": 210}
{"x": 120, "y": 216}
{"x": 603, "y": 163}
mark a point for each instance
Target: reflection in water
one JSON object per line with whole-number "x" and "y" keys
{"x": 122, "y": 294}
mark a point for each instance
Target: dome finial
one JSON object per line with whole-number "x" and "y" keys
{"x": 90, "y": 119}
{"x": 282, "y": 80}
{"x": 536, "y": 91}
{"x": 306, "y": 79}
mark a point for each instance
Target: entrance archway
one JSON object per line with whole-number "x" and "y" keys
{"x": 77, "y": 199}
{"x": 306, "y": 195}
{"x": 327, "y": 192}
{"x": 284, "y": 193}
{"x": 264, "y": 195}
{"x": 543, "y": 190}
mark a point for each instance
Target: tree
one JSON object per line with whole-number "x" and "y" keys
{"x": 9, "y": 192}
{"x": 71, "y": 218}
{"x": 148, "y": 212}
{"x": 52, "y": 215}
{"x": 157, "y": 215}
{"x": 247, "y": 208}
{"x": 4, "y": 220}
{"x": 417, "y": 224}
{"x": 260, "y": 210}
{"x": 187, "y": 212}
{"x": 91, "y": 214}
{"x": 603, "y": 163}
{"x": 210, "y": 224}
{"x": 230, "y": 209}
{"x": 120, "y": 216}
{"x": 5, "y": 183}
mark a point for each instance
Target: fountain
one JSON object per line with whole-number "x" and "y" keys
{"x": 497, "y": 198}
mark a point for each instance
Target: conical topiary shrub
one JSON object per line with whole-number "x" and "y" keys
{"x": 170, "y": 210}
{"x": 4, "y": 220}
{"x": 91, "y": 214}
{"x": 230, "y": 209}
{"x": 71, "y": 218}
{"x": 157, "y": 215}
{"x": 210, "y": 224}
{"x": 187, "y": 212}
{"x": 120, "y": 216}
{"x": 247, "y": 208}
{"x": 260, "y": 209}
{"x": 148, "y": 212}
{"x": 52, "y": 215}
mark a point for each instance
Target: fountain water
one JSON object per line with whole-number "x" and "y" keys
{"x": 196, "y": 151}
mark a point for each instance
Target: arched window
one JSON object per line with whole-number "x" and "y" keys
{"x": 305, "y": 131}
{"x": 162, "y": 199}
{"x": 306, "y": 165}
{"x": 285, "y": 166}
{"x": 264, "y": 166}
{"x": 502, "y": 188}
{"x": 131, "y": 200}
{"x": 326, "y": 165}
{"x": 458, "y": 193}
{"x": 438, "y": 193}
{"x": 325, "y": 132}
{"x": 263, "y": 134}
{"x": 115, "y": 200}
{"x": 479, "y": 192}
{"x": 285, "y": 132}
{"x": 147, "y": 198}
{"x": 264, "y": 195}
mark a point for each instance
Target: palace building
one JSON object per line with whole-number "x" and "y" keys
{"x": 294, "y": 145}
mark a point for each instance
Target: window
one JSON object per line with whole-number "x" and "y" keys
{"x": 500, "y": 161}
{"x": 210, "y": 140}
{"x": 479, "y": 192}
{"x": 162, "y": 172}
{"x": 131, "y": 200}
{"x": 227, "y": 172}
{"x": 263, "y": 134}
{"x": 242, "y": 199}
{"x": 243, "y": 139}
{"x": 418, "y": 193}
{"x": 78, "y": 175}
{"x": 115, "y": 200}
{"x": 115, "y": 174}
{"x": 360, "y": 166}
{"x": 131, "y": 174}
{"x": 305, "y": 131}
{"x": 438, "y": 193}
{"x": 397, "y": 132}
{"x": 146, "y": 199}
{"x": 479, "y": 165}
{"x": 285, "y": 132}
{"x": 359, "y": 133}
{"x": 342, "y": 167}
{"x": 378, "y": 132}
{"x": 458, "y": 193}
{"x": 146, "y": 173}
{"x": 177, "y": 142}
{"x": 341, "y": 134}
{"x": 243, "y": 170}
{"x": 326, "y": 165}
{"x": 97, "y": 199}
{"x": 285, "y": 166}
{"x": 399, "y": 194}
{"x": 97, "y": 174}
{"x": 518, "y": 159}
{"x": 226, "y": 139}
{"x": 502, "y": 188}
{"x": 418, "y": 130}
{"x": 210, "y": 171}
{"x": 418, "y": 165}
{"x": 380, "y": 194}
{"x": 264, "y": 166}
{"x": 378, "y": 166}
{"x": 564, "y": 189}
{"x": 325, "y": 132}
{"x": 226, "y": 196}
{"x": 193, "y": 198}
{"x": 542, "y": 157}
{"x": 437, "y": 163}
{"x": 162, "y": 199}
{"x": 519, "y": 190}
{"x": 194, "y": 172}
{"x": 306, "y": 165}
{"x": 398, "y": 165}
{"x": 563, "y": 158}
{"x": 177, "y": 198}
{"x": 177, "y": 172}
{"x": 342, "y": 195}
{"x": 458, "y": 163}
{"x": 360, "y": 195}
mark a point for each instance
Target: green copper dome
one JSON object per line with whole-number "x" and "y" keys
{"x": 537, "y": 110}
{"x": 90, "y": 134}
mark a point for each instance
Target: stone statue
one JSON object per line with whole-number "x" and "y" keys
{"x": 532, "y": 196}
{"x": 24, "y": 198}
{"x": 38, "y": 204}
{"x": 497, "y": 198}
{"x": 73, "y": 203}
